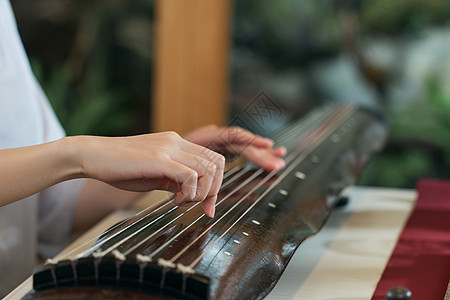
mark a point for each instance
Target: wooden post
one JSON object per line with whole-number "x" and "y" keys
{"x": 191, "y": 64}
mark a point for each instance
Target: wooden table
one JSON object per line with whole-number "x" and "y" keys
{"x": 343, "y": 261}
{"x": 346, "y": 258}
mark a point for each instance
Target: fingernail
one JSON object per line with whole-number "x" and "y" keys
{"x": 212, "y": 211}
{"x": 280, "y": 164}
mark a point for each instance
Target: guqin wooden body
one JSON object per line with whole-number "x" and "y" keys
{"x": 261, "y": 219}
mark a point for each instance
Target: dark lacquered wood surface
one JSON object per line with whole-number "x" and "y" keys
{"x": 261, "y": 218}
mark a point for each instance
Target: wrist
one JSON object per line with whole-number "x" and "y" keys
{"x": 71, "y": 157}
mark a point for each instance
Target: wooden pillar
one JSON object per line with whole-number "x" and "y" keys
{"x": 191, "y": 64}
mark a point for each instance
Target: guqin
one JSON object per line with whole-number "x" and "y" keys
{"x": 261, "y": 218}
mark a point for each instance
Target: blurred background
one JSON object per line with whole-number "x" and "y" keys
{"x": 116, "y": 67}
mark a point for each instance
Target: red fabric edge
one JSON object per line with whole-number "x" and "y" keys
{"x": 421, "y": 258}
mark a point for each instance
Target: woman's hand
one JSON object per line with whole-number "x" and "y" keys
{"x": 236, "y": 140}
{"x": 184, "y": 166}
{"x": 154, "y": 161}
{"x": 137, "y": 163}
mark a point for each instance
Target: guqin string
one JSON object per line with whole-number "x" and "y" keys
{"x": 231, "y": 176}
{"x": 292, "y": 165}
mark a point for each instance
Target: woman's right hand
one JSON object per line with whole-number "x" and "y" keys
{"x": 152, "y": 161}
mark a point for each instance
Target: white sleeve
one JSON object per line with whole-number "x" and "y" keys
{"x": 56, "y": 211}
{"x": 57, "y": 203}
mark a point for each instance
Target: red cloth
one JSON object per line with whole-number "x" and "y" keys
{"x": 421, "y": 258}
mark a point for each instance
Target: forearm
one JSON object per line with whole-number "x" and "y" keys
{"x": 28, "y": 170}
{"x": 137, "y": 163}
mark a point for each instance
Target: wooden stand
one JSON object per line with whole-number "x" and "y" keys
{"x": 191, "y": 71}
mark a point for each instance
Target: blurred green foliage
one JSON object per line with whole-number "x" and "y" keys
{"x": 90, "y": 108}
{"x": 275, "y": 42}
{"x": 403, "y": 16}
{"x": 287, "y": 32}
{"x": 419, "y": 144}
{"x": 94, "y": 60}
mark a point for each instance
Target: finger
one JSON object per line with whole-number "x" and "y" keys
{"x": 179, "y": 199}
{"x": 209, "y": 206}
{"x": 182, "y": 175}
{"x": 263, "y": 142}
{"x": 165, "y": 184}
{"x": 218, "y": 176}
{"x": 263, "y": 158}
{"x": 219, "y": 161}
{"x": 205, "y": 169}
{"x": 205, "y": 182}
{"x": 240, "y": 136}
{"x": 279, "y": 151}
{"x": 216, "y": 158}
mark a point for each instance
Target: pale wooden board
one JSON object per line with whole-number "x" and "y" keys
{"x": 346, "y": 258}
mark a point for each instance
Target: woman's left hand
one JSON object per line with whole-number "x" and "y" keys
{"x": 236, "y": 140}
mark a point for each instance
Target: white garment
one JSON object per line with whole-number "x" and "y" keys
{"x": 42, "y": 221}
